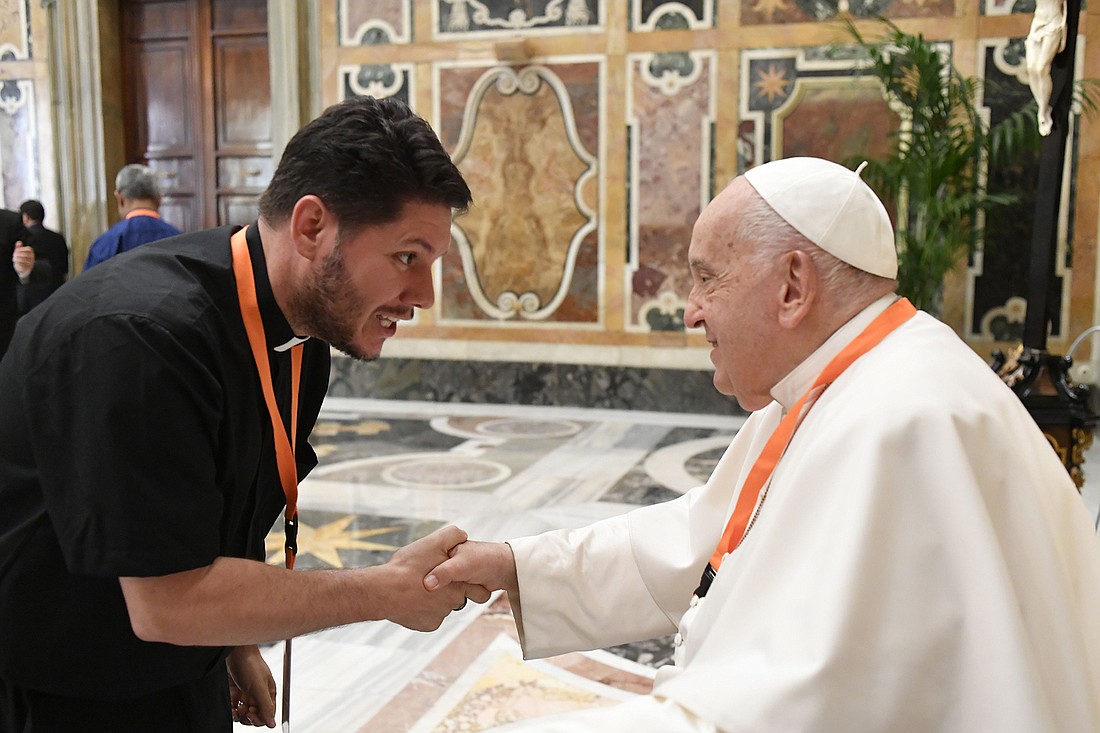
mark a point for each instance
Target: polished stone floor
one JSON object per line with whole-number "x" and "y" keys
{"x": 393, "y": 471}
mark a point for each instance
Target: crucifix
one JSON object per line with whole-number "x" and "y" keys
{"x": 1041, "y": 379}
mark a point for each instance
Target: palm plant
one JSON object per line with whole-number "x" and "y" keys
{"x": 934, "y": 171}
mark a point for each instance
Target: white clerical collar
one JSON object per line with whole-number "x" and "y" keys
{"x": 294, "y": 341}
{"x": 789, "y": 389}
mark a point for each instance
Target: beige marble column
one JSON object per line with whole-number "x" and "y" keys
{"x": 74, "y": 52}
{"x": 294, "y": 51}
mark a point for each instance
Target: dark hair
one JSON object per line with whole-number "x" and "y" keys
{"x": 33, "y": 209}
{"x": 365, "y": 158}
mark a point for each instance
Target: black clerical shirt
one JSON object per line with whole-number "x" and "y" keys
{"x": 134, "y": 441}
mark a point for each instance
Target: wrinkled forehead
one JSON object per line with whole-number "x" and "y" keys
{"x": 719, "y": 223}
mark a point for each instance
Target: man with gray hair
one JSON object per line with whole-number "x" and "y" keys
{"x": 888, "y": 544}
{"x": 137, "y": 195}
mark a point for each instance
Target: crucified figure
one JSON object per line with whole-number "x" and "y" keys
{"x": 1046, "y": 38}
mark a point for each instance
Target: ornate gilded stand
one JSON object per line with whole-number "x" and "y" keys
{"x": 1060, "y": 408}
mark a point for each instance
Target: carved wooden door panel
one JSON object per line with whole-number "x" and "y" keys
{"x": 197, "y": 104}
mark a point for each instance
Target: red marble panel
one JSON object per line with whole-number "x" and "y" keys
{"x": 846, "y": 120}
{"x": 837, "y": 121}
{"x": 671, "y": 136}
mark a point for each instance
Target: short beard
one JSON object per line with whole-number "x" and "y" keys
{"x": 322, "y": 303}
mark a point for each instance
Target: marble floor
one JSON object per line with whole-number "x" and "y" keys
{"x": 391, "y": 472}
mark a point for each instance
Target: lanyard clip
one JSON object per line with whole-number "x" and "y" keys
{"x": 290, "y": 527}
{"x": 705, "y": 581}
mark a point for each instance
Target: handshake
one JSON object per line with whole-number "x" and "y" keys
{"x": 441, "y": 572}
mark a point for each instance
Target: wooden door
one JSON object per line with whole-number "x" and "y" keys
{"x": 197, "y": 104}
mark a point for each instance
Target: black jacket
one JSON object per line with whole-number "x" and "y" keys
{"x": 11, "y": 231}
{"x": 51, "y": 255}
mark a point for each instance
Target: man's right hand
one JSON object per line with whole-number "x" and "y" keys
{"x": 420, "y": 609}
{"x": 22, "y": 260}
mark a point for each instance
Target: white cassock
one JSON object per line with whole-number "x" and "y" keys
{"x": 922, "y": 563}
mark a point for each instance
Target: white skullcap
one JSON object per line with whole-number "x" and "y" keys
{"x": 833, "y": 208}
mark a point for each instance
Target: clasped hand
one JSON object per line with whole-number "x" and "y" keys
{"x": 487, "y": 566}
{"x": 415, "y": 604}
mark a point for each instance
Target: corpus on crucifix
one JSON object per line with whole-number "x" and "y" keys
{"x": 1045, "y": 40}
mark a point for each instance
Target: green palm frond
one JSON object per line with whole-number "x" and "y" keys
{"x": 934, "y": 169}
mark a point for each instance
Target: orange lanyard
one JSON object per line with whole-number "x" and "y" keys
{"x": 143, "y": 212}
{"x": 898, "y": 313}
{"x": 284, "y": 444}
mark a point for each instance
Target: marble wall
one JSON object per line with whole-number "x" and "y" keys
{"x": 593, "y": 133}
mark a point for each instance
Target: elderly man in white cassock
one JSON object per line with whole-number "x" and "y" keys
{"x": 889, "y": 545}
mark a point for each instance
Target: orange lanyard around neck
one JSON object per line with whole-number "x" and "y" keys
{"x": 142, "y": 212}
{"x": 284, "y": 444}
{"x": 898, "y": 313}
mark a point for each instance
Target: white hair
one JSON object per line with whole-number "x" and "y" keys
{"x": 136, "y": 181}
{"x": 769, "y": 236}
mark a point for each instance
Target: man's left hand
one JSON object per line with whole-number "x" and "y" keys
{"x": 251, "y": 687}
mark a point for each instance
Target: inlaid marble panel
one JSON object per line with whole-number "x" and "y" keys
{"x": 340, "y": 441}
{"x": 662, "y": 15}
{"x": 808, "y": 102}
{"x": 472, "y": 18}
{"x": 18, "y": 141}
{"x": 799, "y": 11}
{"x": 671, "y": 117}
{"x": 683, "y": 458}
{"x": 345, "y": 540}
{"x": 527, "y": 141}
{"x": 1007, "y": 7}
{"x": 378, "y": 80}
{"x": 999, "y": 272}
{"x": 15, "y": 30}
{"x": 478, "y": 681}
{"x": 374, "y": 22}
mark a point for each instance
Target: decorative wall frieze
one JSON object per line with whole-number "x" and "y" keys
{"x": 452, "y": 19}
{"x": 658, "y": 15}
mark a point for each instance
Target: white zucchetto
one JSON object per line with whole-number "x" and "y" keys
{"x": 833, "y": 208}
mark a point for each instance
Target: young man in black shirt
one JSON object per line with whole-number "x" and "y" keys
{"x": 50, "y": 249}
{"x": 147, "y": 445}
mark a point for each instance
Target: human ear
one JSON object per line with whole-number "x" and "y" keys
{"x": 798, "y": 289}
{"x": 312, "y": 225}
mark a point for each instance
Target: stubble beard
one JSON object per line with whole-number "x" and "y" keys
{"x": 326, "y": 306}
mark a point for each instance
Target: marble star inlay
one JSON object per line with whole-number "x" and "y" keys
{"x": 772, "y": 82}
{"x": 324, "y": 541}
{"x": 769, "y": 8}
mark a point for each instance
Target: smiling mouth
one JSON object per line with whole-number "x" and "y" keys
{"x": 390, "y": 320}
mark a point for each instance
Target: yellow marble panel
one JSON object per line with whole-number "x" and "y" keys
{"x": 14, "y": 41}
{"x": 522, "y": 156}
